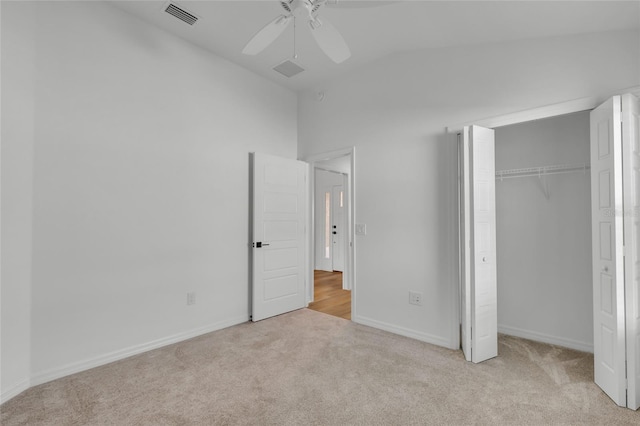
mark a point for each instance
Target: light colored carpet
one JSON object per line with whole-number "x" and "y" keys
{"x": 306, "y": 368}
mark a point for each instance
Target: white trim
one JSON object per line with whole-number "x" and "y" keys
{"x": 77, "y": 367}
{"x": 406, "y": 332}
{"x": 350, "y": 261}
{"x": 547, "y": 111}
{"x": 15, "y": 390}
{"x": 546, "y": 338}
{"x": 553, "y": 110}
{"x": 324, "y": 156}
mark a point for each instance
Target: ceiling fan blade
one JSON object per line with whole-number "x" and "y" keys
{"x": 267, "y": 35}
{"x": 330, "y": 40}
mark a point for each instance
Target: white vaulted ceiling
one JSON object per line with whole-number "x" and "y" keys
{"x": 374, "y": 30}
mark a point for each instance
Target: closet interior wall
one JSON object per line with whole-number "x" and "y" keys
{"x": 544, "y": 240}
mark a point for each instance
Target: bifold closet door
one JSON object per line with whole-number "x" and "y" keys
{"x": 478, "y": 229}
{"x": 607, "y": 250}
{"x": 631, "y": 194}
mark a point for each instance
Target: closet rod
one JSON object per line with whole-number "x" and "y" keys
{"x": 542, "y": 171}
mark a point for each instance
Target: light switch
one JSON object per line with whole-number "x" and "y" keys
{"x": 361, "y": 229}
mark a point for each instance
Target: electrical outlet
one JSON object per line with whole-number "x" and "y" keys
{"x": 361, "y": 229}
{"x": 415, "y": 298}
{"x": 191, "y": 298}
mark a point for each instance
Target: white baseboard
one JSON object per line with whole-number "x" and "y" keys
{"x": 406, "y": 332}
{"x": 546, "y": 338}
{"x": 14, "y": 390}
{"x": 76, "y": 367}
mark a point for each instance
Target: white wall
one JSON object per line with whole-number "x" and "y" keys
{"x": 395, "y": 110}
{"x": 18, "y": 108}
{"x": 140, "y": 184}
{"x": 544, "y": 245}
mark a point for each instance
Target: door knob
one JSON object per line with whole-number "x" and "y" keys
{"x": 605, "y": 269}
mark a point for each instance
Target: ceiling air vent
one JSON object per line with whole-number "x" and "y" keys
{"x": 181, "y": 14}
{"x": 288, "y": 68}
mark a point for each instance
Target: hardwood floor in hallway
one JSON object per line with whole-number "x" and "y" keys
{"x": 329, "y": 297}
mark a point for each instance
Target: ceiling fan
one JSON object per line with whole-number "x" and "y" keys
{"x": 325, "y": 34}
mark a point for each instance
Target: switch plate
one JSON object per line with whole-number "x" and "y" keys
{"x": 361, "y": 229}
{"x": 191, "y": 298}
{"x": 415, "y": 298}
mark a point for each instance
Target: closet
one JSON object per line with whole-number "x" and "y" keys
{"x": 543, "y": 231}
{"x": 546, "y": 218}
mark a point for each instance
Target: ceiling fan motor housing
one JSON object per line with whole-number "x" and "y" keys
{"x": 302, "y": 8}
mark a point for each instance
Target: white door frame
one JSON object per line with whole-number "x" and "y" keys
{"x": 350, "y": 253}
{"x": 451, "y": 135}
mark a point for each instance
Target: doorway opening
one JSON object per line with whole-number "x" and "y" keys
{"x": 543, "y": 231}
{"x": 614, "y": 160}
{"x": 527, "y": 230}
{"x": 331, "y": 289}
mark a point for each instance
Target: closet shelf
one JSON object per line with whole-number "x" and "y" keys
{"x": 542, "y": 171}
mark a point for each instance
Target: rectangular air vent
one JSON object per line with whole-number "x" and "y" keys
{"x": 181, "y": 14}
{"x": 288, "y": 68}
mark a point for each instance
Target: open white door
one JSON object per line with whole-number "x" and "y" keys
{"x": 631, "y": 187}
{"x": 480, "y": 327}
{"x": 608, "y": 252}
{"x": 279, "y": 215}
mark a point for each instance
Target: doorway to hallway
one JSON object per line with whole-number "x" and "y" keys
{"x": 329, "y": 296}
{"x": 332, "y": 277}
